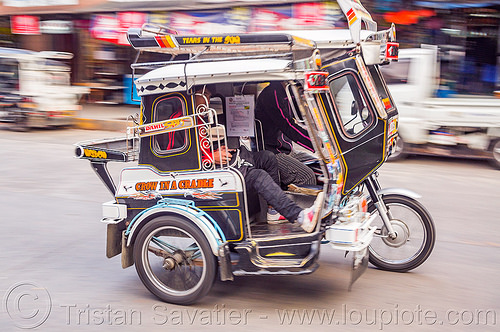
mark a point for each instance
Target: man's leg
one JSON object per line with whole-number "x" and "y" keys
{"x": 293, "y": 171}
{"x": 263, "y": 184}
{"x": 266, "y": 160}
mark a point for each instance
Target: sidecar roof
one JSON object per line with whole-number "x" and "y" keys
{"x": 330, "y": 38}
{"x": 175, "y": 77}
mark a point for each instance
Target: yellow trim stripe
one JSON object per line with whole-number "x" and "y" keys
{"x": 280, "y": 254}
{"x": 168, "y": 42}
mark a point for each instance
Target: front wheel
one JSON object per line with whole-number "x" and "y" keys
{"x": 415, "y": 235}
{"x": 174, "y": 261}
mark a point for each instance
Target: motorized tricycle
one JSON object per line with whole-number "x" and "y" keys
{"x": 183, "y": 219}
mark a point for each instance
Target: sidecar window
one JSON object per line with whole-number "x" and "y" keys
{"x": 382, "y": 90}
{"x": 165, "y": 109}
{"x": 352, "y": 109}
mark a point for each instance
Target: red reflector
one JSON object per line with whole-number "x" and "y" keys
{"x": 392, "y": 50}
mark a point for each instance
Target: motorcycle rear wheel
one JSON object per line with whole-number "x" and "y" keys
{"x": 415, "y": 235}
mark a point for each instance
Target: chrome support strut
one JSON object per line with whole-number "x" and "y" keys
{"x": 373, "y": 187}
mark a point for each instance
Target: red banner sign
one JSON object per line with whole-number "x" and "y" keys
{"x": 25, "y": 25}
{"x": 114, "y": 28}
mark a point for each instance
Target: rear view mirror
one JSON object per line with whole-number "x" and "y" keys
{"x": 354, "y": 107}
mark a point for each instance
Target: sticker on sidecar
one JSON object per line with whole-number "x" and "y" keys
{"x": 197, "y": 194}
{"x": 173, "y": 185}
{"x": 209, "y": 40}
{"x": 95, "y": 154}
{"x": 317, "y": 81}
{"x": 168, "y": 125}
{"x": 145, "y": 180}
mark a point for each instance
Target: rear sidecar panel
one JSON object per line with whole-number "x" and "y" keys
{"x": 219, "y": 193}
{"x": 170, "y": 151}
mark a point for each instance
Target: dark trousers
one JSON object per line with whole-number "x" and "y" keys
{"x": 292, "y": 170}
{"x": 264, "y": 179}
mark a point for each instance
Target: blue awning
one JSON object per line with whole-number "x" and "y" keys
{"x": 456, "y": 5}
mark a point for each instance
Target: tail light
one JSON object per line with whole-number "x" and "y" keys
{"x": 27, "y": 102}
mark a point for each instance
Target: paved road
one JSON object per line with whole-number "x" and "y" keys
{"x": 52, "y": 257}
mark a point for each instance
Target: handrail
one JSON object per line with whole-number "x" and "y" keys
{"x": 216, "y": 43}
{"x": 171, "y": 62}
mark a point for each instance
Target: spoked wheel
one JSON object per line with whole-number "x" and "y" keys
{"x": 415, "y": 235}
{"x": 174, "y": 261}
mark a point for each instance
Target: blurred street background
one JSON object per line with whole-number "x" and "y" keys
{"x": 94, "y": 32}
{"x": 50, "y": 203}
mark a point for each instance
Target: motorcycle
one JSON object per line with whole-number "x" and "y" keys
{"x": 183, "y": 220}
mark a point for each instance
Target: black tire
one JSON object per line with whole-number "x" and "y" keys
{"x": 399, "y": 153}
{"x": 415, "y": 239}
{"x": 189, "y": 277}
{"x": 21, "y": 122}
{"x": 495, "y": 154}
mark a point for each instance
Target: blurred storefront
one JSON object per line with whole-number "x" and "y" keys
{"x": 94, "y": 31}
{"x": 466, "y": 32}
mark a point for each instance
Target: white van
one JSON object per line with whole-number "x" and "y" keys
{"x": 43, "y": 83}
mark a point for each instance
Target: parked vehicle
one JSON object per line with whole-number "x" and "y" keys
{"x": 181, "y": 218}
{"x": 35, "y": 89}
{"x": 434, "y": 120}
{"x": 12, "y": 109}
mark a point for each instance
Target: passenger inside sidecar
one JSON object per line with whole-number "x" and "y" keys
{"x": 178, "y": 150}
{"x": 231, "y": 107}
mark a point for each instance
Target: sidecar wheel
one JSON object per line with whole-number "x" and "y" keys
{"x": 174, "y": 261}
{"x": 415, "y": 235}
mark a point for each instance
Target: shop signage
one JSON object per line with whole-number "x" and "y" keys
{"x": 129, "y": 20}
{"x": 25, "y": 25}
{"x": 318, "y": 15}
{"x": 113, "y": 28}
{"x": 56, "y": 27}
{"x": 272, "y": 18}
{"x": 234, "y": 20}
{"x": 105, "y": 27}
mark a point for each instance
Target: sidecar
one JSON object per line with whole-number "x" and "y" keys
{"x": 182, "y": 219}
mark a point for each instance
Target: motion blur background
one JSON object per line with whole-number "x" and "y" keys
{"x": 467, "y": 32}
{"x": 50, "y": 202}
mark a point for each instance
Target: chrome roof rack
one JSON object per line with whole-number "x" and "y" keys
{"x": 235, "y": 44}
